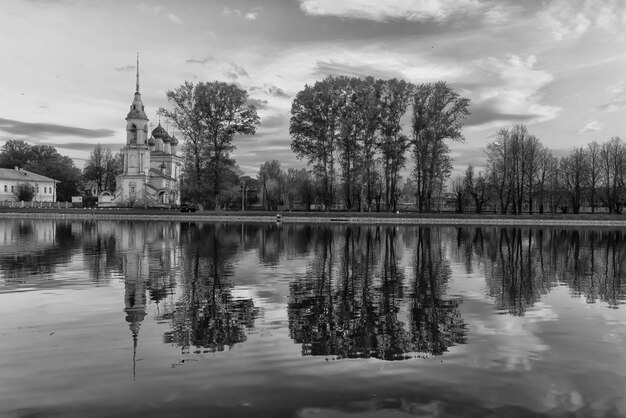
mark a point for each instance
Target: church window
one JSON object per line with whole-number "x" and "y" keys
{"x": 133, "y": 134}
{"x": 37, "y": 189}
{"x": 5, "y": 188}
{"x": 12, "y": 188}
{"x": 132, "y": 189}
{"x": 45, "y": 190}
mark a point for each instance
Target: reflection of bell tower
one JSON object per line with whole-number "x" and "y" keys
{"x": 135, "y": 175}
{"x": 135, "y": 270}
{"x": 135, "y": 301}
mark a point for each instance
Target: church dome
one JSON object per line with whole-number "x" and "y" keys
{"x": 160, "y": 133}
{"x": 174, "y": 141}
{"x": 151, "y": 142}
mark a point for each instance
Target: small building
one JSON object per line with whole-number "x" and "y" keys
{"x": 45, "y": 187}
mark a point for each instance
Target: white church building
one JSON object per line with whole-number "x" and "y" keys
{"x": 152, "y": 170}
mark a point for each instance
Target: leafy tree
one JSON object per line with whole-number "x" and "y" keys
{"x": 314, "y": 124}
{"x": 102, "y": 168}
{"x": 271, "y": 181}
{"x": 209, "y": 115}
{"x": 438, "y": 114}
{"x": 24, "y": 192}
{"x": 15, "y": 153}
{"x": 46, "y": 161}
{"x": 395, "y": 97}
{"x": 300, "y": 187}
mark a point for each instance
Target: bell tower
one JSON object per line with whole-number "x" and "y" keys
{"x": 133, "y": 182}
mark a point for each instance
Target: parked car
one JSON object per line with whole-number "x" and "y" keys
{"x": 185, "y": 207}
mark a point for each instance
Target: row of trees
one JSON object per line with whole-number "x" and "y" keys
{"x": 351, "y": 130}
{"x": 98, "y": 175}
{"x": 521, "y": 174}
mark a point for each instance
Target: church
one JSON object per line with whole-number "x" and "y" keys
{"x": 152, "y": 168}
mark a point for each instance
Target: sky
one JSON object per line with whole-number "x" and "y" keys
{"x": 68, "y": 70}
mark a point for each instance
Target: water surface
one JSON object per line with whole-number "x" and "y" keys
{"x": 166, "y": 319}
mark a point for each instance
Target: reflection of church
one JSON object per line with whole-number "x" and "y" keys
{"x": 151, "y": 172}
{"x": 149, "y": 262}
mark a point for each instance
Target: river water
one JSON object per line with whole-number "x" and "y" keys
{"x": 167, "y": 319}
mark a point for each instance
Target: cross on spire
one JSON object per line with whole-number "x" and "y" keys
{"x": 137, "y": 87}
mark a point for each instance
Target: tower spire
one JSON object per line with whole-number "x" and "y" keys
{"x": 137, "y": 87}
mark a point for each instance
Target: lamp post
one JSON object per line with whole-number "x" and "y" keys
{"x": 243, "y": 195}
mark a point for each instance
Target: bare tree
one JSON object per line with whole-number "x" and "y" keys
{"x": 593, "y": 160}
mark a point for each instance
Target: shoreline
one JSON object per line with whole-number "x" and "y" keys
{"x": 409, "y": 218}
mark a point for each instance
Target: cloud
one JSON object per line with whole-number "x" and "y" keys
{"x": 149, "y": 8}
{"x": 617, "y": 102}
{"x": 375, "y": 10}
{"x": 271, "y": 90}
{"x": 484, "y": 114}
{"x": 200, "y": 61}
{"x": 568, "y": 19}
{"x": 231, "y": 12}
{"x": 592, "y": 126}
{"x": 126, "y": 68}
{"x": 234, "y": 72}
{"x": 463, "y": 155}
{"x": 334, "y": 68}
{"x": 258, "y": 103}
{"x": 29, "y": 129}
{"x": 275, "y": 121}
{"x": 505, "y": 89}
{"x": 253, "y": 14}
{"x": 86, "y": 146}
{"x": 174, "y": 18}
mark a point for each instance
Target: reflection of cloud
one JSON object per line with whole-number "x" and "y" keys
{"x": 592, "y": 126}
{"x": 16, "y": 127}
{"x": 512, "y": 341}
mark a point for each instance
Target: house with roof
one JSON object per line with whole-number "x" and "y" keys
{"x": 152, "y": 169}
{"x": 45, "y": 187}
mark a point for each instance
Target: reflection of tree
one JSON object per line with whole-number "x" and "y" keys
{"x": 517, "y": 280}
{"x": 100, "y": 245}
{"x": 37, "y": 247}
{"x": 206, "y": 316}
{"x": 351, "y": 300}
{"x": 523, "y": 264}
{"x": 436, "y": 322}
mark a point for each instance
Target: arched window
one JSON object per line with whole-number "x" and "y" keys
{"x": 133, "y": 134}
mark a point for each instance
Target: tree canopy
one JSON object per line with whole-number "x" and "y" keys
{"x": 209, "y": 115}
{"x": 43, "y": 160}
